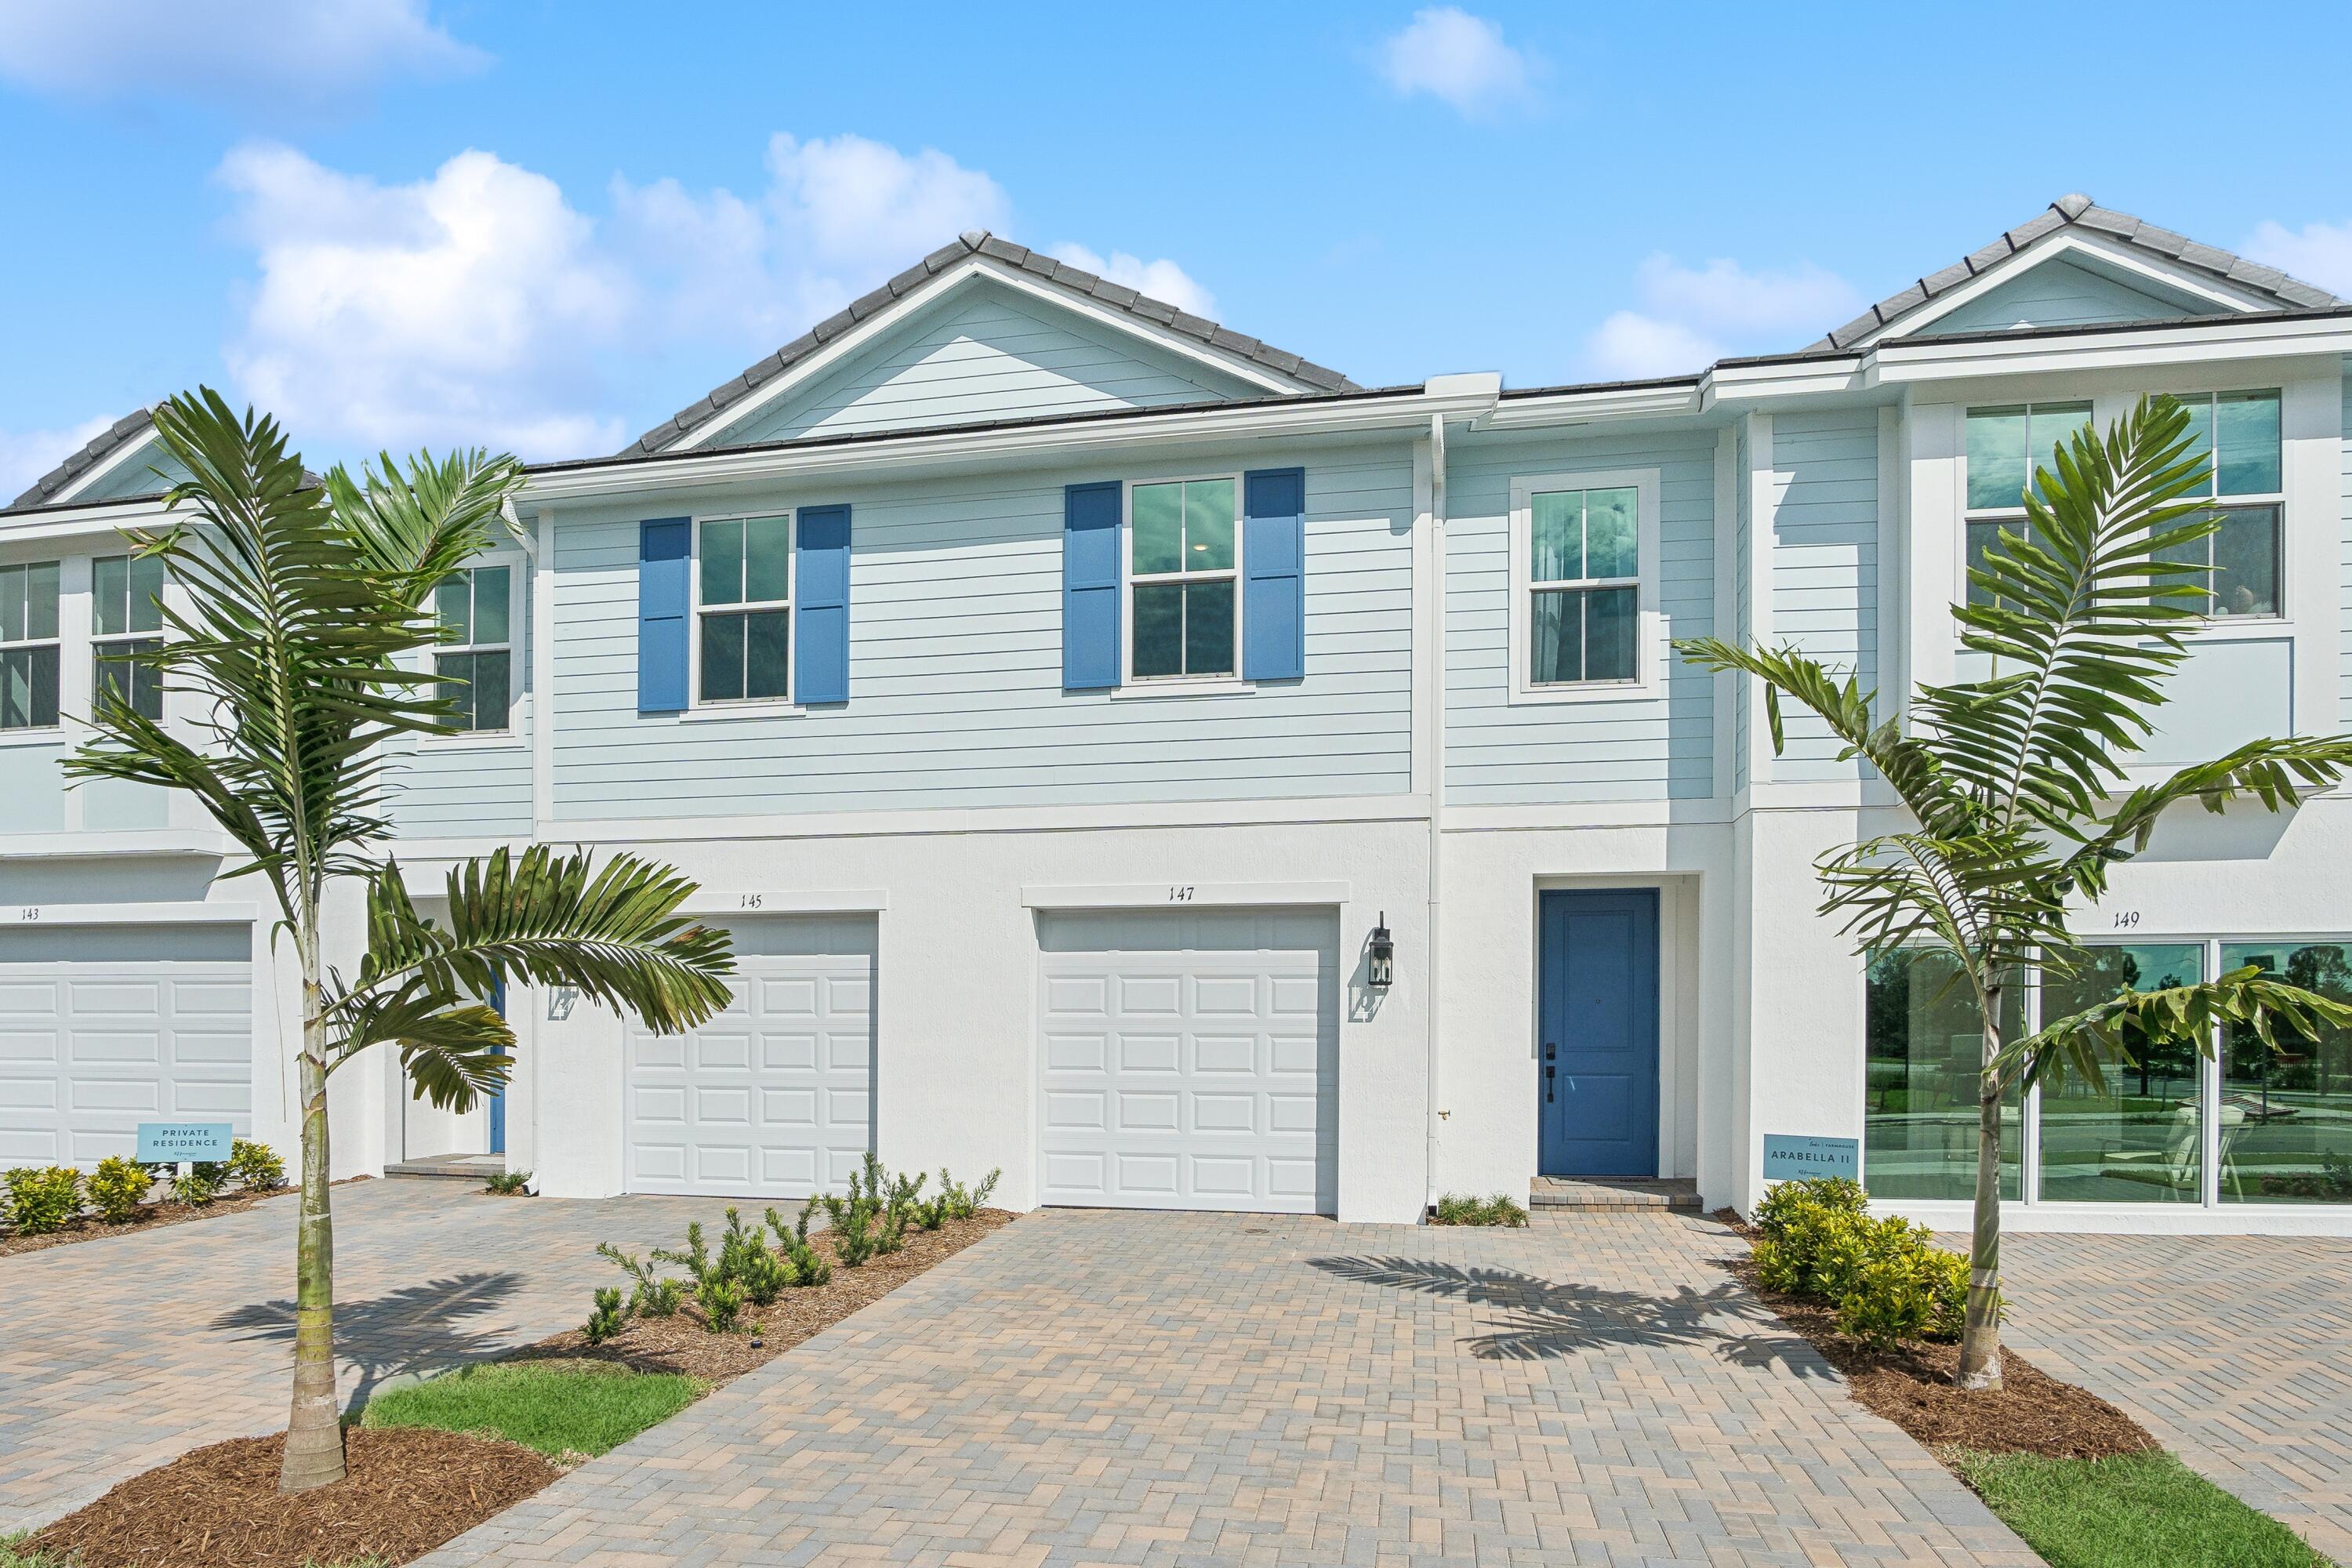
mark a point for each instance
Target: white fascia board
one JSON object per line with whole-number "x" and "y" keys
{"x": 1408, "y": 410}
{"x": 1591, "y": 406}
{"x": 117, "y": 843}
{"x": 1745, "y": 384}
{"x": 127, "y": 914}
{"x": 116, "y": 458}
{"x": 1183, "y": 894}
{"x": 96, "y": 518}
{"x": 1903, "y": 363}
{"x": 937, "y": 288}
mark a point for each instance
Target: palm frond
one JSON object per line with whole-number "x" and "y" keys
{"x": 2082, "y": 1042}
{"x": 411, "y": 528}
{"x": 2276, "y": 773}
{"x": 452, "y": 1051}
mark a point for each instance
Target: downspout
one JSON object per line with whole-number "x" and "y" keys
{"x": 1436, "y": 751}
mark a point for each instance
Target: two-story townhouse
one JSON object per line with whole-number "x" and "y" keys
{"x": 1134, "y": 757}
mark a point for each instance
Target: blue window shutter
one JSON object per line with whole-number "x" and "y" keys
{"x": 1089, "y": 586}
{"x": 1274, "y": 562}
{"x": 821, "y": 602}
{"x": 664, "y": 552}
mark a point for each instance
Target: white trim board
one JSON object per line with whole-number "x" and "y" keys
{"x": 1183, "y": 894}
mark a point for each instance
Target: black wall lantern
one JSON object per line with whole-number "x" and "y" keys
{"x": 1379, "y": 971}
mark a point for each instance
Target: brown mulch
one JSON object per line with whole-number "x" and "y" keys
{"x": 1913, "y": 1385}
{"x": 408, "y": 1490}
{"x": 681, "y": 1343}
{"x": 158, "y": 1212}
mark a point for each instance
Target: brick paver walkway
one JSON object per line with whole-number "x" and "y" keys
{"x": 118, "y": 1355}
{"x": 2235, "y": 1351}
{"x": 1197, "y": 1389}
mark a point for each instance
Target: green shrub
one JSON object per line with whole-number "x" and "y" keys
{"x": 872, "y": 1220}
{"x": 1789, "y": 1200}
{"x": 722, "y": 1304}
{"x": 1456, "y": 1208}
{"x": 116, "y": 1188}
{"x": 653, "y": 1297}
{"x": 42, "y": 1199}
{"x": 1886, "y": 1277}
{"x": 694, "y": 1258}
{"x": 744, "y": 1260}
{"x": 955, "y": 1203}
{"x": 809, "y": 1266}
{"x": 256, "y": 1165}
{"x": 506, "y": 1183}
{"x": 606, "y": 1318}
{"x": 201, "y": 1184}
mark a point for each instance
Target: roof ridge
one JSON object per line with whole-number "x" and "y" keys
{"x": 981, "y": 242}
{"x": 2076, "y": 210}
{"x": 79, "y": 463}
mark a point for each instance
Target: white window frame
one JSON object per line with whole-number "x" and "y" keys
{"x": 99, "y": 642}
{"x": 1128, "y": 581}
{"x": 2274, "y": 498}
{"x": 745, "y": 706}
{"x": 1649, "y": 632}
{"x": 511, "y": 732}
{"x": 63, "y": 641}
{"x": 2003, "y": 515}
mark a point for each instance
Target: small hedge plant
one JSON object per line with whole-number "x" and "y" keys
{"x": 41, "y": 1199}
{"x": 255, "y": 1166}
{"x": 1886, "y": 1277}
{"x": 1457, "y": 1208}
{"x": 117, "y": 1188}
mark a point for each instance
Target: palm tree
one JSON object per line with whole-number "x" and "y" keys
{"x": 2015, "y": 783}
{"x": 302, "y": 601}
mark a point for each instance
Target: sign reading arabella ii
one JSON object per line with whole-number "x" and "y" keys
{"x": 1788, "y": 1158}
{"x": 169, "y": 1142}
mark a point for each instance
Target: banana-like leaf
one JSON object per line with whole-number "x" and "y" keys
{"x": 2110, "y": 1032}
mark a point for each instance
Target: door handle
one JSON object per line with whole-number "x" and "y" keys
{"x": 1548, "y": 1072}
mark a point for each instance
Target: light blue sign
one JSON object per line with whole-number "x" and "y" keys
{"x": 169, "y": 1142}
{"x": 1791, "y": 1159}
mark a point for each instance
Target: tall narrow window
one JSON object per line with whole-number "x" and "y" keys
{"x": 2237, "y": 435}
{"x": 2286, "y": 1134}
{"x": 475, "y": 659}
{"x": 126, "y": 619}
{"x": 1182, "y": 571}
{"x": 1924, "y": 1051}
{"x": 746, "y": 609}
{"x": 28, "y": 645}
{"x": 2006, "y": 446}
{"x": 1584, "y": 579}
{"x": 2133, "y": 1134}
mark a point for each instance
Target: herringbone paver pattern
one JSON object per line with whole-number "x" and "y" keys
{"x": 1196, "y": 1389}
{"x": 2235, "y": 1351}
{"x": 118, "y": 1355}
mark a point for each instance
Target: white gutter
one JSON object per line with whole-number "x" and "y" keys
{"x": 1437, "y": 783}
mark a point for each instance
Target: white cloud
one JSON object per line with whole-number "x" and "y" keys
{"x": 1448, "y": 53}
{"x": 1687, "y": 317}
{"x": 1162, "y": 279}
{"x": 313, "y": 53}
{"x": 2318, "y": 253}
{"x": 25, "y": 456}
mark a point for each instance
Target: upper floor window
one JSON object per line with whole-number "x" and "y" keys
{"x": 28, "y": 645}
{"x": 1584, "y": 611}
{"x": 475, "y": 655}
{"x": 2237, "y": 435}
{"x": 743, "y": 610}
{"x": 126, "y": 619}
{"x": 1183, "y": 579}
{"x": 2006, "y": 446}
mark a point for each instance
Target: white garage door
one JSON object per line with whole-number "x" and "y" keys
{"x": 775, "y": 1098}
{"x": 1191, "y": 1061}
{"x": 103, "y": 1028}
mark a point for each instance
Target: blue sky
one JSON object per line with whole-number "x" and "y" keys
{"x": 545, "y": 225}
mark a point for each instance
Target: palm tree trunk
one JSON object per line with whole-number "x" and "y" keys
{"x": 1980, "y": 1330}
{"x": 314, "y": 1430}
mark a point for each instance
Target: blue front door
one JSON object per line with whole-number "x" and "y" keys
{"x": 1597, "y": 1051}
{"x": 498, "y": 1099}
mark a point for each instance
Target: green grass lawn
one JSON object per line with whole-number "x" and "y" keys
{"x": 556, "y": 1407}
{"x": 2131, "y": 1512}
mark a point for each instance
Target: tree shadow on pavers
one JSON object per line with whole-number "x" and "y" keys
{"x": 1545, "y": 1320}
{"x": 415, "y": 1330}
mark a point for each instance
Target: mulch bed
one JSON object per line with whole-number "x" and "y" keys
{"x": 161, "y": 1212}
{"x": 1913, "y": 1385}
{"x": 408, "y": 1490}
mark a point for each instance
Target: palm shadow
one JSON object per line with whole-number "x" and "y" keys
{"x": 419, "y": 1329}
{"x": 1541, "y": 1320}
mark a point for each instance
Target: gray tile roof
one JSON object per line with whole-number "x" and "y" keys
{"x": 2077, "y": 211}
{"x": 95, "y": 451}
{"x": 1038, "y": 265}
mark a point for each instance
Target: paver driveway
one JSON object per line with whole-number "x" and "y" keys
{"x": 117, "y": 1354}
{"x": 2235, "y": 1351}
{"x": 1152, "y": 1388}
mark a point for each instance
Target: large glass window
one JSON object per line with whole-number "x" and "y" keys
{"x": 1182, "y": 572}
{"x": 1584, "y": 579}
{"x": 2135, "y": 1133}
{"x": 474, "y": 656}
{"x": 745, "y": 609}
{"x": 2006, "y": 446}
{"x": 126, "y": 619}
{"x": 28, "y": 645}
{"x": 1926, "y": 1059}
{"x": 2237, "y": 435}
{"x": 2286, "y": 1116}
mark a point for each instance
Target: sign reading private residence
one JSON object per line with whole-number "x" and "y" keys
{"x": 169, "y": 1142}
{"x": 1789, "y": 1158}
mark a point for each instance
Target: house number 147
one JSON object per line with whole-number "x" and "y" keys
{"x": 1182, "y": 895}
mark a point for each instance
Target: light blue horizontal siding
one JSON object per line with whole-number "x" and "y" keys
{"x": 1743, "y": 595}
{"x": 2056, "y": 294}
{"x": 955, "y": 676}
{"x": 471, "y": 789}
{"x": 136, "y": 474}
{"x": 985, "y": 353}
{"x": 1498, "y": 753}
{"x": 1824, "y": 565}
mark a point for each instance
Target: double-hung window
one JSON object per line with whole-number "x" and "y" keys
{"x": 2237, "y": 435}
{"x": 475, "y": 655}
{"x": 1183, "y": 579}
{"x": 744, "y": 632}
{"x": 1585, "y": 621}
{"x": 28, "y": 645}
{"x": 2006, "y": 445}
{"x": 126, "y": 620}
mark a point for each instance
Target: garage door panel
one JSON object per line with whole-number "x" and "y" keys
{"x": 115, "y": 1094}
{"x": 722, "y": 1165}
{"x": 1224, "y": 1053}
{"x": 717, "y": 1108}
{"x": 1088, "y": 1112}
{"x": 1148, "y": 996}
{"x": 1148, "y": 1175}
{"x": 658, "y": 1162}
{"x": 1141, "y": 1110}
{"x": 788, "y": 1107}
{"x": 787, "y": 1167}
{"x": 1224, "y": 1113}
{"x": 720, "y": 1053}
{"x": 192, "y": 1099}
{"x": 202, "y": 998}
{"x": 28, "y": 1093}
{"x": 1076, "y": 1053}
{"x": 94, "y": 1047}
{"x": 1077, "y": 996}
{"x": 23, "y": 1046}
{"x": 1150, "y": 1053}
{"x": 27, "y": 999}
{"x": 97, "y": 999}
